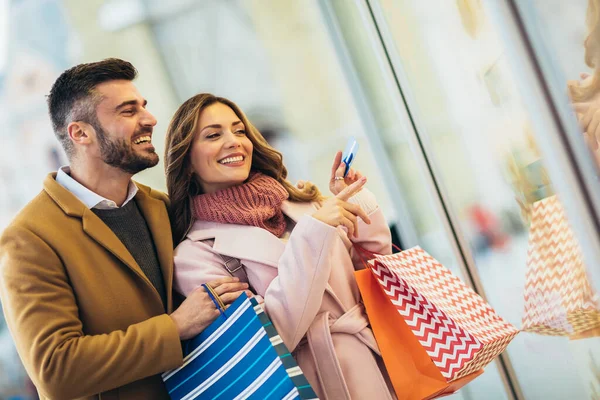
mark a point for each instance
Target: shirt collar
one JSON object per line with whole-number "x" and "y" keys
{"x": 86, "y": 196}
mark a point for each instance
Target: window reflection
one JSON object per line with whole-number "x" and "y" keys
{"x": 473, "y": 121}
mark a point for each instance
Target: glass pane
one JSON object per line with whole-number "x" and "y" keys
{"x": 474, "y": 125}
{"x": 393, "y": 128}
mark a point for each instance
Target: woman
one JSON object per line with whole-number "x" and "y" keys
{"x": 234, "y": 213}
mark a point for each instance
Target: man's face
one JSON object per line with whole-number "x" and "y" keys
{"x": 124, "y": 128}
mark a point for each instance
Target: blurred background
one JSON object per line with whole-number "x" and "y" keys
{"x": 461, "y": 109}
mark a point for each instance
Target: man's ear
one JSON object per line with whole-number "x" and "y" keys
{"x": 81, "y": 132}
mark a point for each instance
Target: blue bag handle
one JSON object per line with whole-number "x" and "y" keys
{"x": 215, "y": 298}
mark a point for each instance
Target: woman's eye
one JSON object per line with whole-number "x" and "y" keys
{"x": 241, "y": 132}
{"x": 213, "y": 135}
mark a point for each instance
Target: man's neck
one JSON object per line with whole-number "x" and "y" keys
{"x": 106, "y": 181}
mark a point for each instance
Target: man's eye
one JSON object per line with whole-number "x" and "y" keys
{"x": 130, "y": 111}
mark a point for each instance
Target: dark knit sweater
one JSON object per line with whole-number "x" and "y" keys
{"x": 131, "y": 228}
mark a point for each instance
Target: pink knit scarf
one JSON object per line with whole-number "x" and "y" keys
{"x": 255, "y": 202}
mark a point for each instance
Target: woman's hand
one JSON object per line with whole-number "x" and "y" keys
{"x": 338, "y": 182}
{"x": 336, "y": 211}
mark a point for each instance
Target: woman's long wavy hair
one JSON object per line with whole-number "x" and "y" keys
{"x": 592, "y": 54}
{"x": 183, "y": 185}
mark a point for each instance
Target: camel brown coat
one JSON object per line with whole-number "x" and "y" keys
{"x": 86, "y": 321}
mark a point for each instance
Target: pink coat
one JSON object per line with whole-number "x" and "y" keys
{"x": 309, "y": 291}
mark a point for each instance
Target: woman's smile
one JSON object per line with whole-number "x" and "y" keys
{"x": 233, "y": 160}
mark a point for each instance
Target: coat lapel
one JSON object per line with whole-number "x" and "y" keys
{"x": 157, "y": 218}
{"x": 104, "y": 236}
{"x": 243, "y": 242}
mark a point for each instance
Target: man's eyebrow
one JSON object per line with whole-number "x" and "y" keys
{"x": 130, "y": 103}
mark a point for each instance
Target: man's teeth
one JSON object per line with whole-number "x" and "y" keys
{"x": 231, "y": 160}
{"x": 142, "y": 139}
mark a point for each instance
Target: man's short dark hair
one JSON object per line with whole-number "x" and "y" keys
{"x": 72, "y": 97}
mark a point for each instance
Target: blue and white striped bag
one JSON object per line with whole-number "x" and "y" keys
{"x": 239, "y": 356}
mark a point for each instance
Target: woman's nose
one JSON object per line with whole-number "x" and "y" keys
{"x": 232, "y": 140}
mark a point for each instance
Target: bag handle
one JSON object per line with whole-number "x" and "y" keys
{"x": 215, "y": 298}
{"x": 233, "y": 265}
{"x": 362, "y": 251}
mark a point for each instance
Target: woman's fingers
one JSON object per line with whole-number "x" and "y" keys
{"x": 343, "y": 221}
{"x": 336, "y": 163}
{"x": 226, "y": 279}
{"x": 352, "y": 218}
{"x": 356, "y": 210}
{"x": 230, "y": 297}
{"x": 351, "y": 190}
{"x": 229, "y": 287}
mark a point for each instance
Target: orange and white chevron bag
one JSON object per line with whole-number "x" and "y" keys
{"x": 460, "y": 332}
{"x": 559, "y": 299}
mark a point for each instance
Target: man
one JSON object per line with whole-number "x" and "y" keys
{"x": 87, "y": 266}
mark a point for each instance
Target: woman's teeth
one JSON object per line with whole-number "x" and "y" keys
{"x": 230, "y": 160}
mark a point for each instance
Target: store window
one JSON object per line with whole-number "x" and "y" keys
{"x": 470, "y": 114}
{"x": 401, "y": 151}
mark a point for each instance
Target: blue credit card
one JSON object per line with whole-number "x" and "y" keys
{"x": 349, "y": 153}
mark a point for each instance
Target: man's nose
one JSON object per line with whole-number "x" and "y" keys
{"x": 148, "y": 119}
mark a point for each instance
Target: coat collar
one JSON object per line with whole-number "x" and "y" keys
{"x": 155, "y": 213}
{"x": 247, "y": 242}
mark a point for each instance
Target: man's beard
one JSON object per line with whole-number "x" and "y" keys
{"x": 120, "y": 154}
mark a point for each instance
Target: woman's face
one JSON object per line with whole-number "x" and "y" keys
{"x": 221, "y": 153}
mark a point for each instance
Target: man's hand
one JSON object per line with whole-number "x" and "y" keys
{"x": 198, "y": 311}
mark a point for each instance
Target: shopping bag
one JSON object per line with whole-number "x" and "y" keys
{"x": 559, "y": 299}
{"x": 435, "y": 334}
{"x": 412, "y": 372}
{"x": 239, "y": 356}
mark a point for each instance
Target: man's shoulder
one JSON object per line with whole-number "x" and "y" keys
{"x": 35, "y": 210}
{"x": 32, "y": 216}
{"x": 154, "y": 193}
